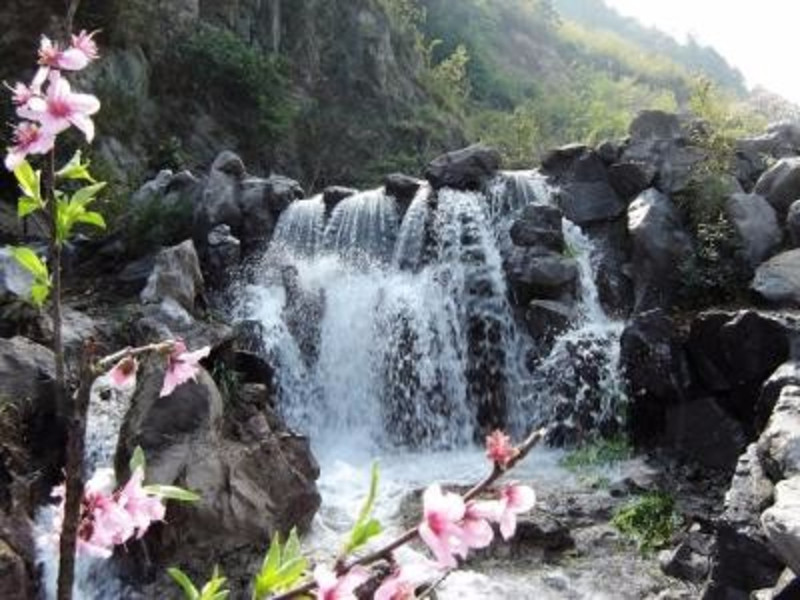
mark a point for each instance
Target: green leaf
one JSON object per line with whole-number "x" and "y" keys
{"x": 29, "y": 181}
{"x": 27, "y": 205}
{"x": 86, "y": 194}
{"x": 92, "y": 218}
{"x": 365, "y": 528}
{"x": 366, "y": 510}
{"x": 182, "y": 579}
{"x": 75, "y": 169}
{"x": 39, "y": 293}
{"x": 292, "y": 548}
{"x": 171, "y": 492}
{"x": 137, "y": 460}
{"x": 282, "y": 567}
{"x": 28, "y": 259}
{"x": 272, "y": 561}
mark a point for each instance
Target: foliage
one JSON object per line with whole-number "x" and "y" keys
{"x": 600, "y": 453}
{"x": 213, "y": 590}
{"x": 650, "y": 521}
{"x": 153, "y": 223}
{"x": 365, "y": 527}
{"x": 283, "y": 566}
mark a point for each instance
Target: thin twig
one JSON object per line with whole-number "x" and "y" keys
{"x": 160, "y": 347}
{"x": 385, "y": 551}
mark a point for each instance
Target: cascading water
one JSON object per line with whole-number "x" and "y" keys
{"x": 416, "y": 345}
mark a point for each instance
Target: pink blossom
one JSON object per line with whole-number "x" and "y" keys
{"x": 440, "y": 529}
{"x": 104, "y": 524}
{"x": 404, "y": 581}
{"x": 141, "y": 508}
{"x": 476, "y": 528}
{"x": 61, "y": 108}
{"x": 29, "y": 138}
{"x": 123, "y": 375}
{"x": 74, "y": 58}
{"x": 499, "y": 448}
{"x": 21, "y": 93}
{"x": 514, "y": 499}
{"x": 331, "y": 587}
{"x": 84, "y": 43}
{"x": 182, "y": 366}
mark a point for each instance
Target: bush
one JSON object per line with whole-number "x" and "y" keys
{"x": 650, "y": 521}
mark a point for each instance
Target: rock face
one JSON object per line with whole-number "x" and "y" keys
{"x": 253, "y": 484}
{"x": 222, "y": 255}
{"x": 659, "y": 244}
{"x": 780, "y": 185}
{"x": 261, "y": 201}
{"x": 778, "y": 280}
{"x": 742, "y": 558}
{"x": 176, "y": 275}
{"x": 661, "y": 140}
{"x": 465, "y": 169}
{"x": 629, "y": 179}
{"x": 584, "y": 193}
{"x": 657, "y": 372}
{"x": 14, "y": 578}
{"x": 401, "y": 187}
{"x": 793, "y": 223}
{"x": 757, "y": 225}
{"x": 539, "y": 225}
{"x": 781, "y": 522}
{"x": 779, "y": 445}
{"x": 535, "y": 273}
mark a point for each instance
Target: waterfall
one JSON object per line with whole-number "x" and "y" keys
{"x": 301, "y": 225}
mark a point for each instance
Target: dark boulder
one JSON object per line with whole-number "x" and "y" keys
{"x": 176, "y": 274}
{"x": 657, "y": 373}
{"x": 659, "y": 243}
{"x": 757, "y": 225}
{"x": 780, "y": 185}
{"x": 535, "y": 273}
{"x": 611, "y": 262}
{"x": 332, "y": 195}
{"x": 545, "y": 320}
{"x": 539, "y": 225}
{"x": 608, "y": 151}
{"x": 261, "y": 202}
{"x": 742, "y": 559}
{"x": 629, "y": 179}
{"x": 691, "y": 560}
{"x": 219, "y": 201}
{"x": 465, "y": 169}
{"x": 222, "y": 255}
{"x": 793, "y": 223}
{"x": 401, "y": 187}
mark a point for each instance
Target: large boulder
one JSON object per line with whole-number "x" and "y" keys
{"x": 401, "y": 187}
{"x": 778, "y": 280}
{"x": 656, "y": 371}
{"x": 539, "y": 225}
{"x": 779, "y": 444}
{"x": 254, "y": 481}
{"x": 780, "y": 185}
{"x": 261, "y": 202}
{"x": 757, "y": 225}
{"x": 219, "y": 202}
{"x": 535, "y": 273}
{"x": 222, "y": 255}
{"x": 583, "y": 190}
{"x": 781, "y": 522}
{"x": 659, "y": 243}
{"x": 743, "y": 559}
{"x": 27, "y": 371}
{"x": 465, "y": 169}
{"x": 780, "y": 140}
{"x": 786, "y": 374}
{"x": 176, "y": 274}
{"x": 662, "y": 140}
{"x": 629, "y": 179}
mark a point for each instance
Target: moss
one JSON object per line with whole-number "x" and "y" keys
{"x": 651, "y": 520}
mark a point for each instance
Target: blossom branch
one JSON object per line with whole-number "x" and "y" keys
{"x": 385, "y": 552}
{"x": 130, "y": 352}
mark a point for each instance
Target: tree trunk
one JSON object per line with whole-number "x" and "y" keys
{"x": 275, "y": 11}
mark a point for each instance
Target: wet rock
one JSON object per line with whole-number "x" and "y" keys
{"x": 583, "y": 191}
{"x": 539, "y": 225}
{"x": 302, "y": 312}
{"x": 608, "y": 152}
{"x": 261, "y": 202}
{"x": 777, "y": 281}
{"x": 793, "y": 223}
{"x": 534, "y": 273}
{"x": 219, "y": 202}
{"x": 659, "y": 242}
{"x": 27, "y": 371}
{"x": 780, "y": 185}
{"x": 786, "y": 374}
{"x": 546, "y": 320}
{"x": 222, "y": 256}
{"x": 781, "y": 522}
{"x": 15, "y": 281}
{"x": 401, "y": 187}
{"x": 742, "y": 560}
{"x": 661, "y": 139}
{"x": 465, "y": 169}
{"x": 657, "y": 372}
{"x": 334, "y": 194}
{"x": 611, "y": 261}
{"x": 250, "y": 488}
{"x": 757, "y": 225}
{"x": 176, "y": 274}
{"x": 629, "y": 179}
{"x": 779, "y": 444}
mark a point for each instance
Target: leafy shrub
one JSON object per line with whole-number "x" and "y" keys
{"x": 153, "y": 224}
{"x": 650, "y": 521}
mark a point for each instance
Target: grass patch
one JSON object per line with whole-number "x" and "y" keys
{"x": 650, "y": 521}
{"x": 600, "y": 453}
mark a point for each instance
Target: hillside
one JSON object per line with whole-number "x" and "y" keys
{"x": 347, "y": 90}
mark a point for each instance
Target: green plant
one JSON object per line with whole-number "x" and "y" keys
{"x": 228, "y": 380}
{"x": 650, "y": 521}
{"x": 213, "y": 590}
{"x": 599, "y": 453}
